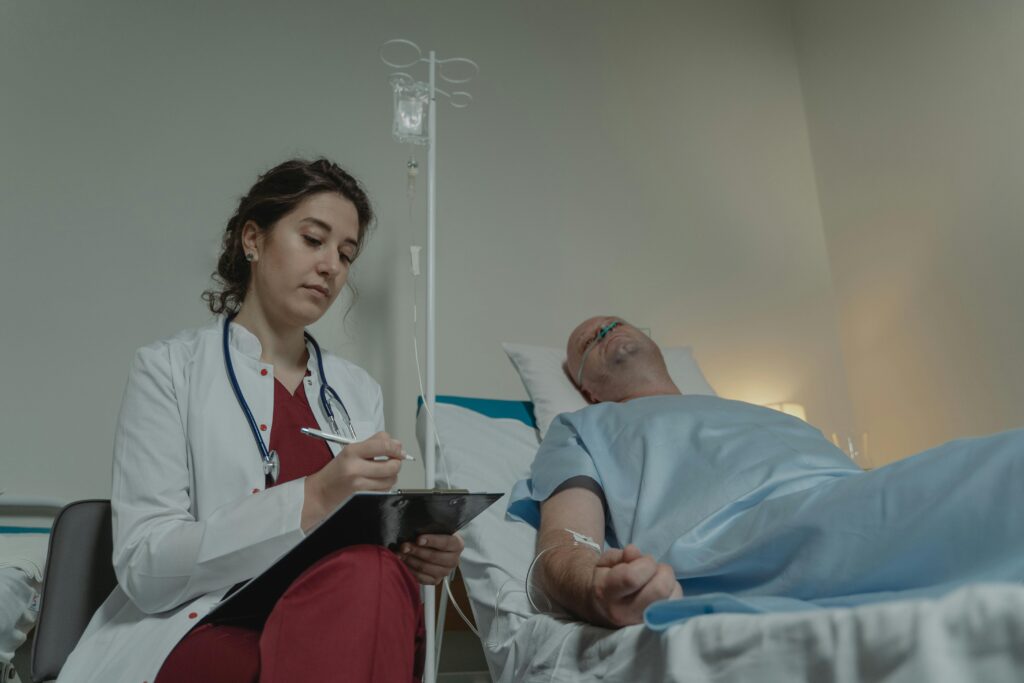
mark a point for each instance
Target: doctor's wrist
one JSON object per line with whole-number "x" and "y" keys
{"x": 314, "y": 504}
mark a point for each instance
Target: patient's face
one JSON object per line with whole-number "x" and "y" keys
{"x": 585, "y": 335}
{"x": 611, "y": 365}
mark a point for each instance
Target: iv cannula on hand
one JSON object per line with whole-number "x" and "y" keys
{"x": 327, "y": 436}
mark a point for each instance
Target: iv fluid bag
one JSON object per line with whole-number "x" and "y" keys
{"x": 411, "y": 108}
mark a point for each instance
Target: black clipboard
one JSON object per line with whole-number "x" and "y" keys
{"x": 374, "y": 518}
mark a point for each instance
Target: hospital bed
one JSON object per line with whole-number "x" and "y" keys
{"x": 24, "y": 535}
{"x": 973, "y": 634}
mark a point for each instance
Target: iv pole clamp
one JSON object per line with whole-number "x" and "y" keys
{"x": 415, "y": 121}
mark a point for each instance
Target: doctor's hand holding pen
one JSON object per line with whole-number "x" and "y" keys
{"x": 373, "y": 465}
{"x": 359, "y": 467}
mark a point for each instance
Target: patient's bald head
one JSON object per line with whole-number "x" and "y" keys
{"x": 610, "y": 360}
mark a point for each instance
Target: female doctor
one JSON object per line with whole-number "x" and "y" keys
{"x": 213, "y": 481}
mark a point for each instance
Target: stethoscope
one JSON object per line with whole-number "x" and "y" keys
{"x": 271, "y": 463}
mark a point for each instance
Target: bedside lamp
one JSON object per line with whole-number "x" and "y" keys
{"x": 794, "y": 409}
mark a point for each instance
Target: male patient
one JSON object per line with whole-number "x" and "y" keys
{"x": 725, "y": 497}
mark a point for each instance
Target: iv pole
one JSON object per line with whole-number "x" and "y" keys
{"x": 458, "y": 99}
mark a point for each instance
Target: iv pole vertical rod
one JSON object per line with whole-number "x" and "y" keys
{"x": 430, "y": 668}
{"x": 429, "y": 457}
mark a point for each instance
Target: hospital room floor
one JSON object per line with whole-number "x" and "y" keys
{"x": 462, "y": 659}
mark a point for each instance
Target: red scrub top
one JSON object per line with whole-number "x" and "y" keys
{"x": 300, "y": 455}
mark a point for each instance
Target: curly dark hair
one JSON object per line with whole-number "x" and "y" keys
{"x": 275, "y": 193}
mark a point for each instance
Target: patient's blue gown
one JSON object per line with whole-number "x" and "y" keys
{"x": 756, "y": 511}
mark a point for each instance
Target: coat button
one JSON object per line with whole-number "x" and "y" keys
{"x": 263, "y": 372}
{"x": 263, "y": 428}
{"x": 192, "y": 615}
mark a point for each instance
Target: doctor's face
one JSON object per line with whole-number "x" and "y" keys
{"x": 302, "y": 261}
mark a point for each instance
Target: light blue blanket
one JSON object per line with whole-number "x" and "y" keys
{"x": 757, "y": 511}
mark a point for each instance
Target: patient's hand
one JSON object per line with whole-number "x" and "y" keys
{"x": 626, "y": 581}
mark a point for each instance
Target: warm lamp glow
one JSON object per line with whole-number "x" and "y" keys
{"x": 794, "y": 409}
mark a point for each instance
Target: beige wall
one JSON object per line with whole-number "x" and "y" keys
{"x": 646, "y": 158}
{"x": 916, "y": 113}
{"x": 660, "y": 169}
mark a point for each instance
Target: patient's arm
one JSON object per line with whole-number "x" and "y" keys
{"x": 609, "y": 590}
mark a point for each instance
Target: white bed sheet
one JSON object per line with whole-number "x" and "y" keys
{"x": 973, "y": 634}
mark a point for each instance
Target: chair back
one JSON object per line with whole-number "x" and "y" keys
{"x": 79, "y": 576}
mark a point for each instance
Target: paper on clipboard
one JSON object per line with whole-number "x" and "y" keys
{"x": 374, "y": 518}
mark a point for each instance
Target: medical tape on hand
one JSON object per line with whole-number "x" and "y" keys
{"x": 584, "y": 539}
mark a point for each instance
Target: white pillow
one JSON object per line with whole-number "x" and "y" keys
{"x": 553, "y": 393}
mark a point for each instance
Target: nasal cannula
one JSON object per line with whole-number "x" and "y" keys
{"x": 327, "y": 436}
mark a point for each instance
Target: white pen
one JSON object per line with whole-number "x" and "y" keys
{"x": 336, "y": 438}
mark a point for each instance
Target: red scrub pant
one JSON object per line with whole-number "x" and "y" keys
{"x": 355, "y": 615}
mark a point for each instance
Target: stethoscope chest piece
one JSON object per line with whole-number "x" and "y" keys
{"x": 272, "y": 467}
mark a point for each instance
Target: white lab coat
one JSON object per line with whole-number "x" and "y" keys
{"x": 190, "y": 514}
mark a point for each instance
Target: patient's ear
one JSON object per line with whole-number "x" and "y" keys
{"x": 572, "y": 380}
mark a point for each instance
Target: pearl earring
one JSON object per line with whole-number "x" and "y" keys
{"x": 250, "y": 257}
